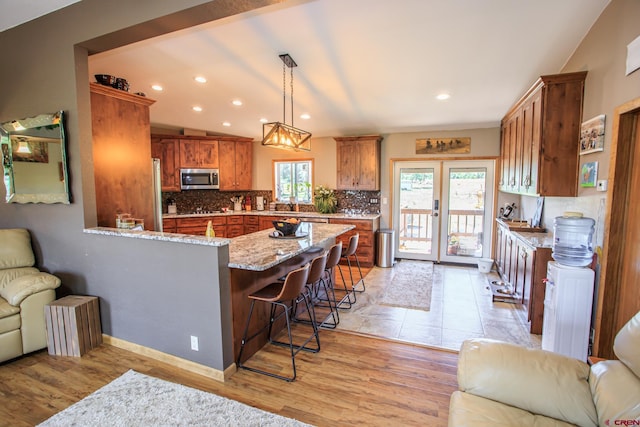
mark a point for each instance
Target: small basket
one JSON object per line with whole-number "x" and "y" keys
{"x": 485, "y": 264}
{"x": 286, "y": 228}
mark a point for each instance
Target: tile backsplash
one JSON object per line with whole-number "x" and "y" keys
{"x": 357, "y": 202}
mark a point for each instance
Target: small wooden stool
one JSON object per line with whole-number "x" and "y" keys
{"x": 73, "y": 325}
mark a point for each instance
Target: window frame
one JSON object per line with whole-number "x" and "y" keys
{"x": 274, "y": 168}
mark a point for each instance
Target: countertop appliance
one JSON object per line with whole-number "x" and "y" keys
{"x": 199, "y": 179}
{"x": 567, "y": 310}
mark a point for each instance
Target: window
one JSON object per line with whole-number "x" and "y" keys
{"x": 293, "y": 180}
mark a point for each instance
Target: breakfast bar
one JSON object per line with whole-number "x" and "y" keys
{"x": 258, "y": 259}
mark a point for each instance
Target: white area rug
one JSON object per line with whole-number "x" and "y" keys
{"x": 410, "y": 286}
{"x": 135, "y": 399}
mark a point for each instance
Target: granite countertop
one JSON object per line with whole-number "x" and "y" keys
{"x": 258, "y": 252}
{"x": 536, "y": 239}
{"x": 278, "y": 213}
{"x": 155, "y": 235}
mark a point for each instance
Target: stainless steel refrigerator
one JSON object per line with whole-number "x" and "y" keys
{"x": 157, "y": 194}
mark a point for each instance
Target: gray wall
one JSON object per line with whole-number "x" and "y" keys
{"x": 155, "y": 294}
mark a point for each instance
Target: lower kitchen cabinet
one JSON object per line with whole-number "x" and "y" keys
{"x": 198, "y": 225}
{"x": 366, "y": 229}
{"x": 251, "y": 224}
{"x": 522, "y": 262}
{"x": 169, "y": 225}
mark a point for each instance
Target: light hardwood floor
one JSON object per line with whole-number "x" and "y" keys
{"x": 354, "y": 380}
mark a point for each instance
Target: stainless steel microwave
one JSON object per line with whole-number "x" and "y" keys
{"x": 199, "y": 179}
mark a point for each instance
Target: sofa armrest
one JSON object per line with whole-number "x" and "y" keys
{"x": 21, "y": 287}
{"x": 537, "y": 381}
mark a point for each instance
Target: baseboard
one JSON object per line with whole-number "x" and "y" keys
{"x": 179, "y": 362}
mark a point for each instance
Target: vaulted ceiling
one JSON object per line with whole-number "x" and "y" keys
{"x": 363, "y": 66}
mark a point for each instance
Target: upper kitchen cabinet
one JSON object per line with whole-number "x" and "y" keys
{"x": 540, "y": 138}
{"x": 358, "y": 162}
{"x": 196, "y": 154}
{"x": 236, "y": 160}
{"x": 168, "y": 151}
{"x": 121, "y": 155}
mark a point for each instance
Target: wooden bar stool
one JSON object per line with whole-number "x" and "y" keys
{"x": 286, "y": 295}
{"x": 347, "y": 254}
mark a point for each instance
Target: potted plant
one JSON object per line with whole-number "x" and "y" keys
{"x": 325, "y": 200}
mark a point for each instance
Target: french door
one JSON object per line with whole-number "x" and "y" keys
{"x": 443, "y": 210}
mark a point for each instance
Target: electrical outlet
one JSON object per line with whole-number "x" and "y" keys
{"x": 194, "y": 343}
{"x": 384, "y": 200}
{"x": 601, "y": 185}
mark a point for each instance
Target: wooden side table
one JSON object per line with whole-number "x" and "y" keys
{"x": 73, "y": 325}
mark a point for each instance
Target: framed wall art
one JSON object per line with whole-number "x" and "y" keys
{"x": 443, "y": 145}
{"x": 589, "y": 174}
{"x": 592, "y": 135}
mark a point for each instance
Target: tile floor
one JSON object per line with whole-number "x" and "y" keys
{"x": 461, "y": 308}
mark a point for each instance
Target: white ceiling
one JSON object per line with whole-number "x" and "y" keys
{"x": 363, "y": 66}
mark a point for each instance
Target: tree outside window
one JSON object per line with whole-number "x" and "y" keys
{"x": 293, "y": 180}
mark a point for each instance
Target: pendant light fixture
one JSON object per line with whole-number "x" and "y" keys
{"x": 282, "y": 135}
{"x": 23, "y": 146}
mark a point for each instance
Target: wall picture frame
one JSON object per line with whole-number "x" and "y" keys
{"x": 589, "y": 174}
{"x": 461, "y": 145}
{"x": 592, "y": 135}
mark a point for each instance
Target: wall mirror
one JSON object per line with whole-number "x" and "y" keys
{"x": 34, "y": 159}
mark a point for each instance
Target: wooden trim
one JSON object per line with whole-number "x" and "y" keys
{"x": 358, "y": 138}
{"x": 202, "y": 138}
{"x": 609, "y": 285}
{"x": 178, "y": 362}
{"x": 120, "y": 94}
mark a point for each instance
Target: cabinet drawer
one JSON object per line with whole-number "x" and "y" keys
{"x": 169, "y": 225}
{"x": 234, "y": 220}
{"x": 360, "y": 224}
{"x": 234, "y": 230}
{"x": 251, "y": 220}
{"x": 248, "y": 229}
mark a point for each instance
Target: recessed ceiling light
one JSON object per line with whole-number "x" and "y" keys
{"x": 236, "y": 102}
{"x": 305, "y": 116}
{"x": 227, "y": 124}
{"x": 263, "y": 120}
{"x": 156, "y": 87}
{"x": 200, "y": 79}
{"x": 197, "y": 108}
{"x": 443, "y": 96}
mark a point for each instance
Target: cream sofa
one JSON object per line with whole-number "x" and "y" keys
{"x": 24, "y": 291}
{"x": 506, "y": 385}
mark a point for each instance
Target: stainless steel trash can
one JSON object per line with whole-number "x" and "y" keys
{"x": 385, "y": 242}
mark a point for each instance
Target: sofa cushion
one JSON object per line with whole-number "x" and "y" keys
{"x": 537, "y": 381}
{"x": 20, "y": 288}
{"x": 9, "y": 317}
{"x": 10, "y": 274}
{"x": 615, "y": 391}
{"x": 627, "y": 344}
{"x": 466, "y": 409}
{"x": 15, "y": 248}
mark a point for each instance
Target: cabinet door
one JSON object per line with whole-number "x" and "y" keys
{"x": 500, "y": 249}
{"x": 514, "y": 142}
{"x": 189, "y": 154}
{"x": 227, "y": 153}
{"x": 208, "y": 154}
{"x": 368, "y": 165}
{"x": 505, "y": 139}
{"x": 347, "y": 162}
{"x": 531, "y": 127}
{"x": 243, "y": 162}
{"x": 523, "y": 275}
{"x": 167, "y": 150}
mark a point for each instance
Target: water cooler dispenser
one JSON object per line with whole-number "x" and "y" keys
{"x": 569, "y": 288}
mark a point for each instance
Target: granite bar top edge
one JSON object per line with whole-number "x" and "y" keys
{"x": 155, "y": 235}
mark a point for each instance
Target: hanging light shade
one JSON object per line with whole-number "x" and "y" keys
{"x": 23, "y": 146}
{"x": 282, "y": 135}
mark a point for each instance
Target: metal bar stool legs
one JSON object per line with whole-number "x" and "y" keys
{"x": 278, "y": 295}
{"x": 349, "y": 252}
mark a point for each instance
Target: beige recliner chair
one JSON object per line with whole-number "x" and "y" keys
{"x": 24, "y": 291}
{"x": 506, "y": 385}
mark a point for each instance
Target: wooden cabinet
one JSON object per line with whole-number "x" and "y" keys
{"x": 524, "y": 266}
{"x": 169, "y": 225}
{"x": 266, "y": 222}
{"x": 540, "y": 136}
{"x": 121, "y": 155}
{"x": 168, "y": 151}
{"x": 198, "y": 225}
{"x": 358, "y": 162}
{"x": 251, "y": 224}
{"x": 366, "y": 240}
{"x": 236, "y": 160}
{"x": 195, "y": 153}
{"x": 235, "y": 226}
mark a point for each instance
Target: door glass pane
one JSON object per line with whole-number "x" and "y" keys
{"x": 415, "y": 203}
{"x": 466, "y": 203}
